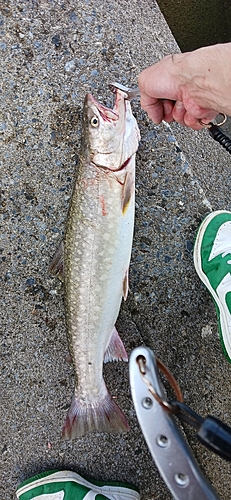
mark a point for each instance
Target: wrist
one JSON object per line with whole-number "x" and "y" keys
{"x": 205, "y": 76}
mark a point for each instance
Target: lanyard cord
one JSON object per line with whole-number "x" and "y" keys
{"x": 219, "y": 136}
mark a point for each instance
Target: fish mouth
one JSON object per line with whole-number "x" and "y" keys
{"x": 111, "y": 146}
{"x": 106, "y": 113}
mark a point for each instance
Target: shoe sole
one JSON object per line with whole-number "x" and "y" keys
{"x": 224, "y": 331}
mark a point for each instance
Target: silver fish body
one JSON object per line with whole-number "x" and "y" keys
{"x": 97, "y": 250}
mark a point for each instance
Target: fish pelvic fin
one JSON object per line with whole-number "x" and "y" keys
{"x": 56, "y": 266}
{"x": 125, "y": 285}
{"x": 115, "y": 350}
{"x": 101, "y": 415}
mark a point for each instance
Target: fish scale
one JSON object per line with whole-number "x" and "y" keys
{"x": 97, "y": 250}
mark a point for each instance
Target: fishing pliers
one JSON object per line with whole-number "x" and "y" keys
{"x": 157, "y": 417}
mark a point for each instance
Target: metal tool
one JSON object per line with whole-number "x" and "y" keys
{"x": 131, "y": 93}
{"x": 170, "y": 452}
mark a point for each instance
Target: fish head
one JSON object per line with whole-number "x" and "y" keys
{"x": 110, "y": 136}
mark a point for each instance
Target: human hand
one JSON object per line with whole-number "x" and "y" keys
{"x": 188, "y": 87}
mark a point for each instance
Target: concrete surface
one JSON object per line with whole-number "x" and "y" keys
{"x": 189, "y": 17}
{"x": 52, "y": 53}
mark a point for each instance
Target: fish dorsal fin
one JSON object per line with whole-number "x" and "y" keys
{"x": 115, "y": 350}
{"x": 56, "y": 266}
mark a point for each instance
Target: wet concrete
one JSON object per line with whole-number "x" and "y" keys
{"x": 52, "y": 54}
{"x": 196, "y": 24}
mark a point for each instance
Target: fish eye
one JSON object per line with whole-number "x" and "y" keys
{"x": 94, "y": 121}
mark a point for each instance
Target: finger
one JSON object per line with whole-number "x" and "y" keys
{"x": 191, "y": 121}
{"x": 190, "y": 116}
{"x": 157, "y": 81}
{"x": 199, "y": 112}
{"x": 178, "y": 112}
{"x": 154, "y": 108}
{"x": 168, "y": 107}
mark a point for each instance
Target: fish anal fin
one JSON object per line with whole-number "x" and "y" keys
{"x": 56, "y": 266}
{"x": 125, "y": 285}
{"x": 101, "y": 415}
{"x": 115, "y": 350}
{"x": 128, "y": 190}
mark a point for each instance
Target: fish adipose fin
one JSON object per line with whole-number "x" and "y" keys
{"x": 115, "y": 350}
{"x": 56, "y": 266}
{"x": 102, "y": 415}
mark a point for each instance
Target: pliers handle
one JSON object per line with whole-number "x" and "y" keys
{"x": 168, "y": 448}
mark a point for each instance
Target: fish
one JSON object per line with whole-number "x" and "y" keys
{"x": 93, "y": 260}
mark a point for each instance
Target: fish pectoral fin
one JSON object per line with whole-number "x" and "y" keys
{"x": 56, "y": 266}
{"x": 128, "y": 190}
{"x": 125, "y": 286}
{"x": 115, "y": 350}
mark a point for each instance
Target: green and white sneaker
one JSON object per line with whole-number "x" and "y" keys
{"x": 68, "y": 485}
{"x": 212, "y": 260}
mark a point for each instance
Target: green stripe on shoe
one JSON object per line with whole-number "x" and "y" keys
{"x": 212, "y": 260}
{"x": 70, "y": 490}
{"x": 41, "y": 475}
{"x": 215, "y": 268}
{"x": 62, "y": 483}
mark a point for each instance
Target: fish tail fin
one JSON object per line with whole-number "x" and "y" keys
{"x": 102, "y": 415}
